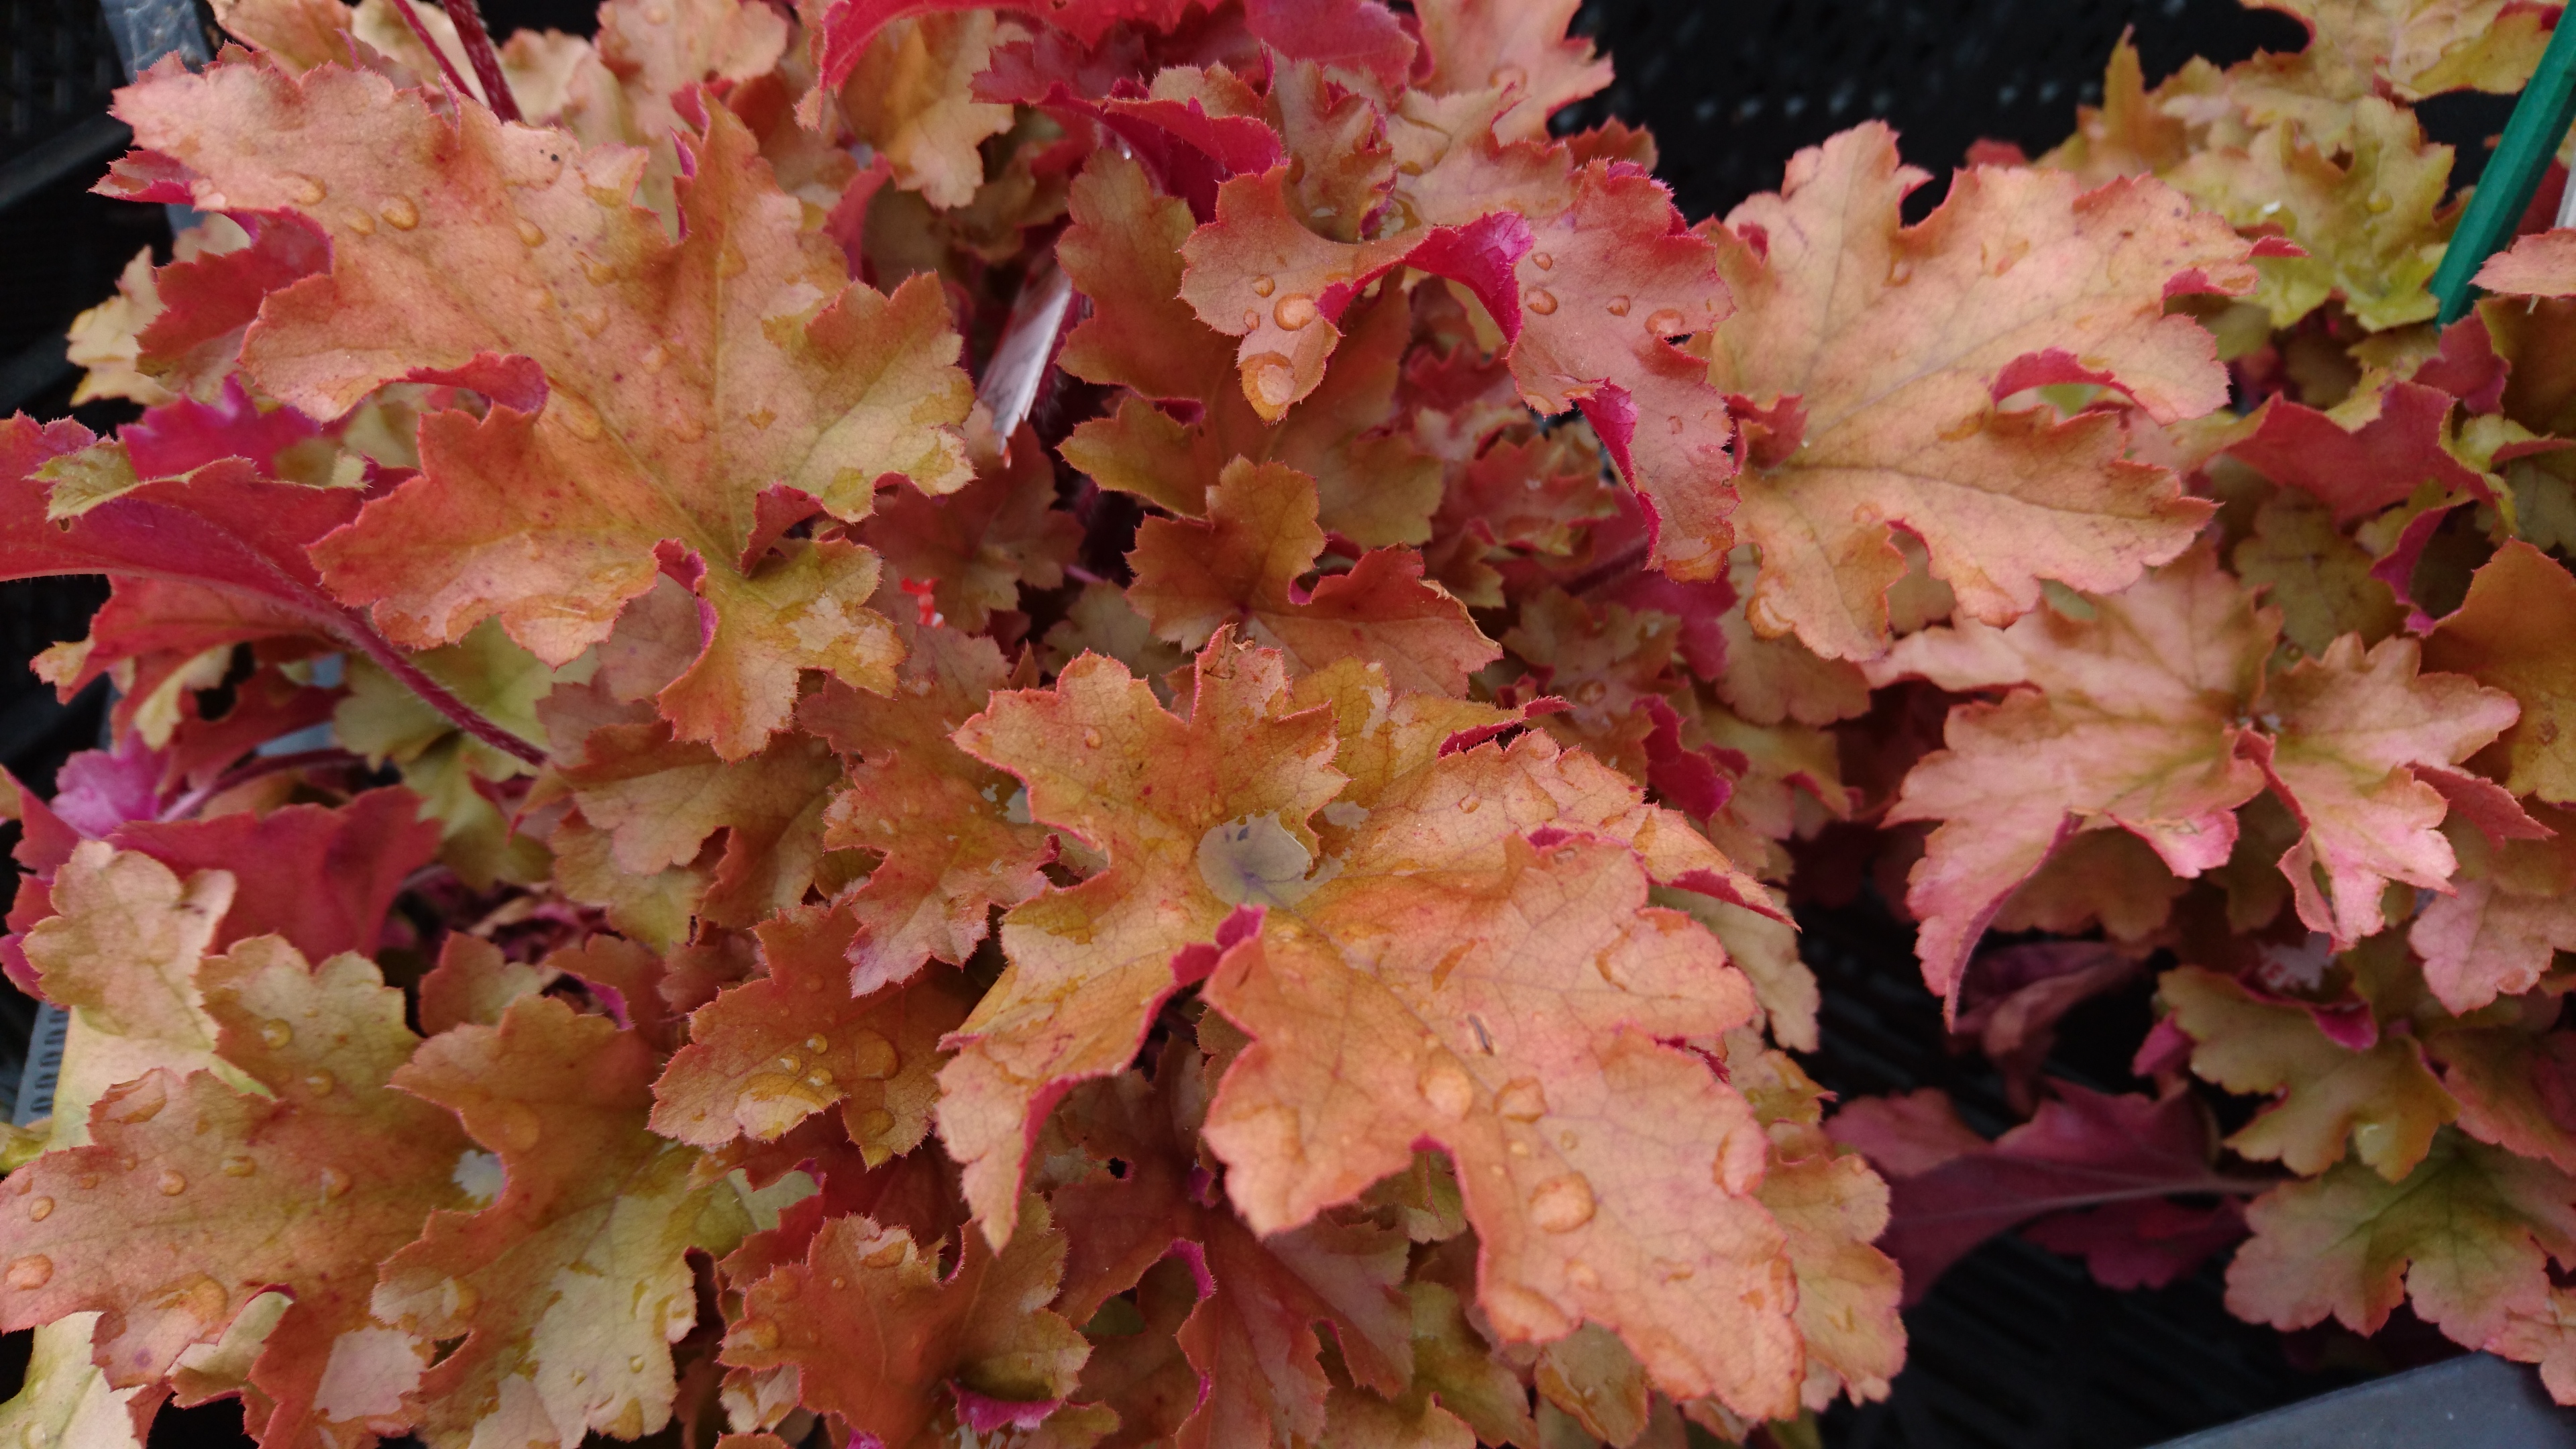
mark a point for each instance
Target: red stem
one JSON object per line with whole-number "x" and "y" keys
{"x": 486, "y": 60}
{"x": 437, "y": 52}
{"x": 436, "y": 695}
{"x": 195, "y": 800}
{"x": 1621, "y": 563}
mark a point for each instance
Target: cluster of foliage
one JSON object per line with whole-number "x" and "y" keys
{"x": 637, "y": 549}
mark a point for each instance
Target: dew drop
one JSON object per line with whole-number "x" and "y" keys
{"x": 1562, "y": 1204}
{"x": 599, "y": 272}
{"x": 1522, "y": 1100}
{"x": 818, "y": 1044}
{"x": 786, "y": 1286}
{"x": 1618, "y": 306}
{"x": 39, "y": 1209}
{"x": 1467, "y": 804}
{"x": 760, "y": 1333}
{"x": 819, "y": 1077}
{"x": 309, "y": 191}
{"x": 1270, "y": 380}
{"x": 2381, "y": 203}
{"x": 1447, "y": 1087}
{"x": 1540, "y": 300}
{"x": 362, "y": 224}
{"x": 1672, "y": 1270}
{"x": 1091, "y": 739}
{"x": 320, "y": 1083}
{"x": 635, "y": 1363}
{"x": 30, "y": 1272}
{"x": 656, "y": 357}
{"x": 1666, "y": 323}
{"x": 36, "y": 1436}
{"x": 459, "y": 1298}
{"x": 1251, "y": 319}
{"x": 1264, "y": 286}
{"x": 1568, "y": 1140}
{"x": 873, "y": 1124}
{"x": 1542, "y": 261}
{"x": 531, "y": 233}
{"x": 730, "y": 262}
{"x": 139, "y": 1103}
{"x": 335, "y": 1183}
{"x": 239, "y": 1164}
{"x": 1295, "y": 311}
{"x": 1591, "y": 691}
{"x": 1506, "y": 76}
{"x": 872, "y": 1058}
{"x": 791, "y": 1063}
{"x": 171, "y": 1182}
{"x": 515, "y": 1127}
{"x": 591, "y": 320}
{"x": 1580, "y": 1274}
{"x": 276, "y": 1033}
{"x": 887, "y": 1254}
{"x": 399, "y": 213}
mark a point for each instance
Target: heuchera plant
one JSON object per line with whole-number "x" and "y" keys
{"x": 638, "y": 549}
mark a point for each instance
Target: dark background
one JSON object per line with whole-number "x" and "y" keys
{"x": 2016, "y": 1348}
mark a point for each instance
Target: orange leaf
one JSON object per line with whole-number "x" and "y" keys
{"x": 680, "y": 379}
{"x": 1242, "y": 567}
{"x": 874, "y": 1333}
{"x": 568, "y": 1290}
{"x": 194, "y": 1196}
{"x": 940, "y": 819}
{"x": 765, "y": 1055}
{"x": 1900, "y": 342}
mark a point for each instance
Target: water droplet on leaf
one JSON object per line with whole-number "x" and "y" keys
{"x": 320, "y": 1083}
{"x": 399, "y": 213}
{"x": 872, "y": 1058}
{"x": 516, "y": 1126}
{"x": 873, "y": 1124}
{"x": 276, "y": 1033}
{"x": 171, "y": 1182}
{"x": 1522, "y": 1100}
{"x": 531, "y": 233}
{"x": 760, "y": 1333}
{"x": 239, "y": 1164}
{"x": 1562, "y": 1204}
{"x": 1264, "y": 286}
{"x": 1666, "y": 323}
{"x": 1448, "y": 1088}
{"x": 31, "y": 1272}
{"x": 39, "y": 1209}
{"x": 1295, "y": 311}
{"x": 1618, "y": 306}
{"x": 818, "y": 1044}
{"x": 1270, "y": 380}
{"x": 1540, "y": 300}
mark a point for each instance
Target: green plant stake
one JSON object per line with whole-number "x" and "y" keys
{"x": 2531, "y": 137}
